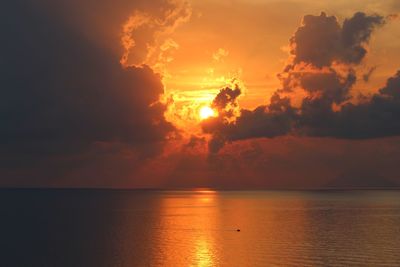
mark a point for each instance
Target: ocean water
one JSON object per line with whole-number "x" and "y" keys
{"x": 199, "y": 228}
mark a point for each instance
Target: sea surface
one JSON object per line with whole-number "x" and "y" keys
{"x": 199, "y": 228}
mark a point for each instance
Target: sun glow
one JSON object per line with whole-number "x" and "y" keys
{"x": 206, "y": 112}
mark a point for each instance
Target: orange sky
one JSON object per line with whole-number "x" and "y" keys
{"x": 214, "y": 42}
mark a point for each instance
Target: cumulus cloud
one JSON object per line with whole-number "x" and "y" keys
{"x": 145, "y": 37}
{"x": 321, "y": 40}
{"x": 63, "y": 96}
{"x": 226, "y": 99}
{"x": 321, "y": 71}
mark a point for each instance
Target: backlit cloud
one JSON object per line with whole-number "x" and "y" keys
{"x": 145, "y": 37}
{"x": 321, "y": 73}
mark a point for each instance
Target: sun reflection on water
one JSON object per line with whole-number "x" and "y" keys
{"x": 199, "y": 228}
{"x": 203, "y": 254}
{"x": 188, "y": 228}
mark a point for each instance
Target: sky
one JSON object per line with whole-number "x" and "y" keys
{"x": 231, "y": 94}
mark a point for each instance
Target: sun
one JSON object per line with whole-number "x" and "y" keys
{"x": 206, "y": 112}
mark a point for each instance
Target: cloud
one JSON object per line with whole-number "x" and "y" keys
{"x": 321, "y": 40}
{"x": 145, "y": 37}
{"x": 226, "y": 99}
{"x": 72, "y": 116}
{"x": 64, "y": 97}
{"x": 366, "y": 76}
{"x": 377, "y": 117}
{"x": 220, "y": 54}
{"x": 263, "y": 163}
{"x": 321, "y": 72}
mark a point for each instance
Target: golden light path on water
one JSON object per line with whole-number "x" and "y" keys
{"x": 191, "y": 225}
{"x": 199, "y": 228}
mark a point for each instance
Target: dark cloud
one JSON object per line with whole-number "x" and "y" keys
{"x": 356, "y": 32}
{"x": 378, "y": 117}
{"x": 366, "y": 76}
{"x": 290, "y": 162}
{"x": 392, "y": 88}
{"x": 271, "y": 121}
{"x": 322, "y": 40}
{"x": 63, "y": 94}
{"x": 330, "y": 86}
{"x": 226, "y": 97}
{"x": 194, "y": 142}
{"x": 322, "y": 72}
{"x": 317, "y": 41}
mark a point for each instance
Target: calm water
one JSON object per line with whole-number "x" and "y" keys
{"x": 198, "y": 228}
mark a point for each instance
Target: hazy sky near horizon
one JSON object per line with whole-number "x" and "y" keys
{"x": 112, "y": 93}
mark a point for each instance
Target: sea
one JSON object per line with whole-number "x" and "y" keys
{"x": 199, "y": 227}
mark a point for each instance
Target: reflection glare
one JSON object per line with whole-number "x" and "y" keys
{"x": 203, "y": 254}
{"x": 198, "y": 228}
{"x": 187, "y": 230}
